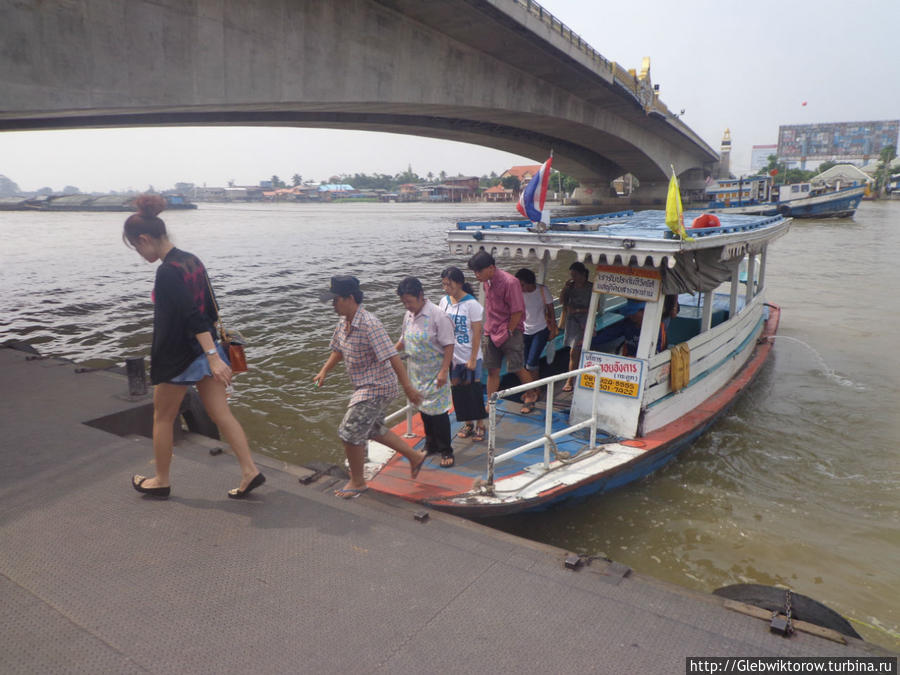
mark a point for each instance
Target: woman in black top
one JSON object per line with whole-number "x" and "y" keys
{"x": 184, "y": 351}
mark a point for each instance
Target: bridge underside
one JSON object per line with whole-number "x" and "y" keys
{"x": 474, "y": 71}
{"x": 569, "y": 157}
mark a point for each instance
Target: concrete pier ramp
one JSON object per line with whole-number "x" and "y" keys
{"x": 96, "y": 578}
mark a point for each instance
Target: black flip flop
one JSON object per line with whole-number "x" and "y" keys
{"x": 237, "y": 493}
{"x": 152, "y": 491}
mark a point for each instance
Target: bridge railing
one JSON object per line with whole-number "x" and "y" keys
{"x": 567, "y": 33}
{"x": 619, "y": 75}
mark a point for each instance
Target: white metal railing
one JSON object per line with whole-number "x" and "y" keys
{"x": 409, "y": 410}
{"x": 549, "y": 435}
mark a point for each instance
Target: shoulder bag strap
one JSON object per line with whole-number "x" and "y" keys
{"x": 219, "y": 322}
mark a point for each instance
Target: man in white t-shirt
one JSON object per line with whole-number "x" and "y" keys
{"x": 540, "y": 318}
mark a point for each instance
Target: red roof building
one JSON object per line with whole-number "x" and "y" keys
{"x": 498, "y": 193}
{"x": 524, "y": 172}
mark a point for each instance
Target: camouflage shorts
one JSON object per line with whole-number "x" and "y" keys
{"x": 364, "y": 420}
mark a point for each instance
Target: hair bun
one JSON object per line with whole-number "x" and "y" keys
{"x": 149, "y": 205}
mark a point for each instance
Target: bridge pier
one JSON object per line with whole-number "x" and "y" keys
{"x": 648, "y": 193}
{"x": 593, "y": 193}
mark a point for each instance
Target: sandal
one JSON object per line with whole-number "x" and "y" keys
{"x": 447, "y": 460}
{"x": 466, "y": 431}
{"x": 478, "y": 435}
{"x": 529, "y": 399}
{"x": 350, "y": 493}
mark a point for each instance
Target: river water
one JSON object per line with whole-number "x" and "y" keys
{"x": 798, "y": 485}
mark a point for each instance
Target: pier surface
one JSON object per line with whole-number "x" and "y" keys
{"x": 97, "y": 578}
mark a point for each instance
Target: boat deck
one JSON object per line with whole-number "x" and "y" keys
{"x": 513, "y": 428}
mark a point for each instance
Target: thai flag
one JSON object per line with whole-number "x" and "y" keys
{"x": 531, "y": 201}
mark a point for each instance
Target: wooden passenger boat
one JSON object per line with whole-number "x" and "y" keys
{"x": 756, "y": 195}
{"x": 627, "y": 415}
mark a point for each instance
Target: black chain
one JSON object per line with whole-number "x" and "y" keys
{"x": 787, "y": 611}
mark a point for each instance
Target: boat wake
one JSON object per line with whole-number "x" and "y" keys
{"x": 826, "y": 369}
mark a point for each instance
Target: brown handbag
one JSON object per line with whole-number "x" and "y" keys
{"x": 231, "y": 339}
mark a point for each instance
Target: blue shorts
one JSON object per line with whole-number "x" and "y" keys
{"x": 198, "y": 369}
{"x": 460, "y": 373}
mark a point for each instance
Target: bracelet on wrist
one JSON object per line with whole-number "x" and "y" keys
{"x": 212, "y": 352}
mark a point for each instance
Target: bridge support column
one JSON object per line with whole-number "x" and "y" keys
{"x": 651, "y": 193}
{"x": 593, "y": 193}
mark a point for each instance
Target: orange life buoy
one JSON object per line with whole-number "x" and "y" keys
{"x": 706, "y": 220}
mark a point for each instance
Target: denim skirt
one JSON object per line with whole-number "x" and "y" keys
{"x": 198, "y": 369}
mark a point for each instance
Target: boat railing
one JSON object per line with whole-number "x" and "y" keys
{"x": 409, "y": 410}
{"x": 549, "y": 437}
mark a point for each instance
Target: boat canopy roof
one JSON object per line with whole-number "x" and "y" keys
{"x": 635, "y": 239}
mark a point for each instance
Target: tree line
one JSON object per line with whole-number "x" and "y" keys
{"x": 559, "y": 182}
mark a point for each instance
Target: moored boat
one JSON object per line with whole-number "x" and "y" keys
{"x": 629, "y": 413}
{"x": 756, "y": 195}
{"x": 82, "y": 202}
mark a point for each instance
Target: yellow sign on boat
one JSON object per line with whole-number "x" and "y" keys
{"x": 618, "y": 374}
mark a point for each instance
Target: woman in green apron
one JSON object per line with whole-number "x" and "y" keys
{"x": 428, "y": 338}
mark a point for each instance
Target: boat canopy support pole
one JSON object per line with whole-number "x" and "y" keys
{"x": 706, "y": 316}
{"x": 542, "y": 269}
{"x": 751, "y": 280}
{"x": 735, "y": 284}
{"x": 591, "y": 322}
{"x": 649, "y": 329}
{"x": 761, "y": 282}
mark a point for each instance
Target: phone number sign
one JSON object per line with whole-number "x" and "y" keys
{"x": 618, "y": 374}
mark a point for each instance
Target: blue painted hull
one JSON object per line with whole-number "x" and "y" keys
{"x": 840, "y": 204}
{"x": 838, "y": 207}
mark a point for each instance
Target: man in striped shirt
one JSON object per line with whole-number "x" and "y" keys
{"x": 374, "y": 367}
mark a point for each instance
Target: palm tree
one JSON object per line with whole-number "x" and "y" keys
{"x": 297, "y": 179}
{"x": 887, "y": 155}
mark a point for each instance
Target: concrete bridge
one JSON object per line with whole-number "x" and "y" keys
{"x": 498, "y": 73}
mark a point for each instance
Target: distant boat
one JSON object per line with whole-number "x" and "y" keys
{"x": 82, "y": 202}
{"x": 757, "y": 196}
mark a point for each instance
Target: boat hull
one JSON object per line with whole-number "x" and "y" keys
{"x": 652, "y": 451}
{"x": 841, "y": 204}
{"x": 838, "y": 205}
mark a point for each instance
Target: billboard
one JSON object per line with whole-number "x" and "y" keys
{"x": 836, "y": 140}
{"x": 759, "y": 156}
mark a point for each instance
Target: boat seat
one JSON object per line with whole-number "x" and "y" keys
{"x": 682, "y": 329}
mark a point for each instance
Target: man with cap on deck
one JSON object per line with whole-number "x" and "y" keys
{"x": 374, "y": 367}
{"x": 625, "y": 333}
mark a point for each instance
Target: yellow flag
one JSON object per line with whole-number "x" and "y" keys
{"x": 674, "y": 210}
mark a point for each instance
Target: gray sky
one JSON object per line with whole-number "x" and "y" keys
{"x": 747, "y": 66}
